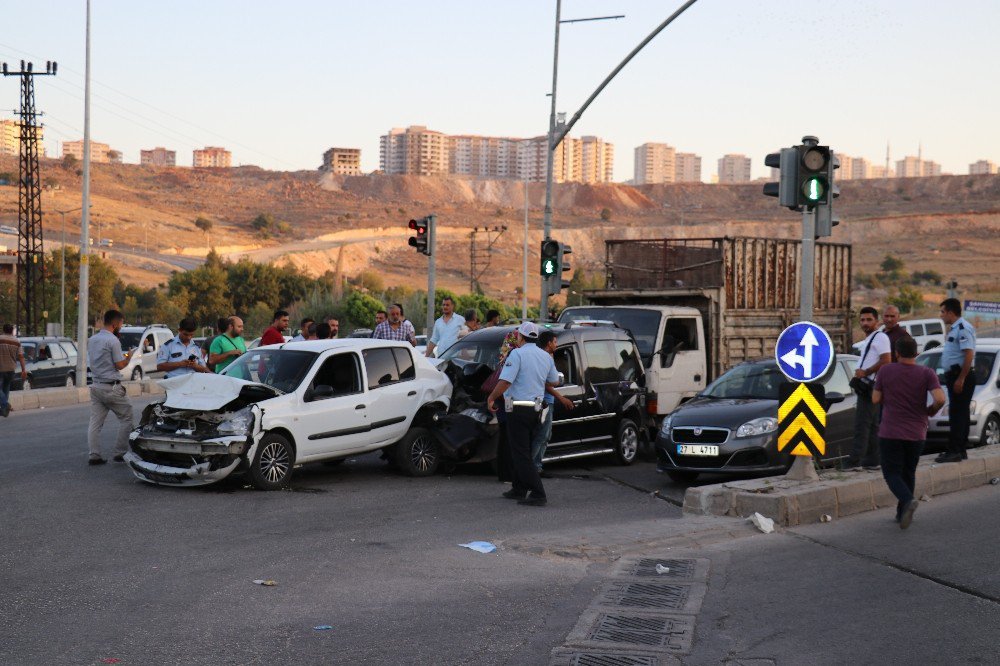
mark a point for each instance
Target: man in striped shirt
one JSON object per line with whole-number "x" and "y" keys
{"x": 395, "y": 327}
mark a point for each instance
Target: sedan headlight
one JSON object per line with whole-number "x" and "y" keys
{"x": 760, "y": 426}
{"x": 238, "y": 423}
{"x": 667, "y": 425}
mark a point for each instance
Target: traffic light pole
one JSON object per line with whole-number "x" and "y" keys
{"x": 802, "y": 468}
{"x": 431, "y": 271}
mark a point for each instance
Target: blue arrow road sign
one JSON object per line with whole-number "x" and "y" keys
{"x": 804, "y": 352}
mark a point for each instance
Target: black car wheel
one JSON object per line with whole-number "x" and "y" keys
{"x": 417, "y": 453}
{"x": 271, "y": 468}
{"x": 137, "y": 374}
{"x": 627, "y": 442}
{"x": 681, "y": 476}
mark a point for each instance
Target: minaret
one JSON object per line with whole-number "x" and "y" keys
{"x": 886, "y": 159}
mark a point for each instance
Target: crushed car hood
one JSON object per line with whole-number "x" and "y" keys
{"x": 205, "y": 391}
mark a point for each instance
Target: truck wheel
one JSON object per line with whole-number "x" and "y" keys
{"x": 137, "y": 374}
{"x": 417, "y": 453}
{"x": 681, "y": 476}
{"x": 271, "y": 468}
{"x": 627, "y": 442}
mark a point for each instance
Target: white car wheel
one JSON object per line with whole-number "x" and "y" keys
{"x": 991, "y": 431}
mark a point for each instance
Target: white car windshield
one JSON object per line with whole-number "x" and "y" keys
{"x": 278, "y": 368}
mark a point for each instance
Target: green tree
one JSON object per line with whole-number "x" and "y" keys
{"x": 891, "y": 264}
{"x": 205, "y": 225}
{"x": 207, "y": 289}
{"x": 606, "y": 214}
{"x": 360, "y": 309}
{"x": 369, "y": 280}
{"x": 908, "y": 299}
{"x": 102, "y": 280}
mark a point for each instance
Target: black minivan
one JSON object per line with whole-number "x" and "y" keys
{"x": 602, "y": 376}
{"x": 50, "y": 362}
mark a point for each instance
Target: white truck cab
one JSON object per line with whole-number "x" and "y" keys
{"x": 671, "y": 341}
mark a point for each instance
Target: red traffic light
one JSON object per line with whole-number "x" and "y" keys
{"x": 420, "y": 226}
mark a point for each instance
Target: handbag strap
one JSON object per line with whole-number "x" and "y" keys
{"x": 868, "y": 346}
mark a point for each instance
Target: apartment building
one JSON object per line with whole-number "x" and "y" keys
{"x": 158, "y": 156}
{"x": 982, "y": 168}
{"x": 655, "y": 163}
{"x": 212, "y": 156}
{"x": 100, "y": 153}
{"x": 597, "y": 160}
{"x": 419, "y": 151}
{"x": 10, "y": 137}
{"x": 734, "y": 169}
{"x": 687, "y": 168}
{"x": 912, "y": 167}
{"x": 879, "y": 171}
{"x": 342, "y": 161}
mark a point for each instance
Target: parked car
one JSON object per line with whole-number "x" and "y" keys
{"x": 50, "y": 362}
{"x": 253, "y": 344}
{"x": 927, "y": 333}
{"x": 984, "y": 426}
{"x": 731, "y": 427}
{"x": 362, "y": 333}
{"x": 602, "y": 375}
{"x": 281, "y": 406}
{"x": 5, "y": 229}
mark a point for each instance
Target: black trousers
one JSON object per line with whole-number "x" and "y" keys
{"x": 958, "y": 412}
{"x": 504, "y": 472}
{"x": 522, "y": 425}
{"x": 899, "y": 468}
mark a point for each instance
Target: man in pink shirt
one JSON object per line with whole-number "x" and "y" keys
{"x": 901, "y": 388}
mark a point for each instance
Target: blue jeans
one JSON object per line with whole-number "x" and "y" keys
{"x": 542, "y": 438}
{"x": 6, "y": 379}
{"x": 899, "y": 468}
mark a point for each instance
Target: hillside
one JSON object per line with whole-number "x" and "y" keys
{"x": 949, "y": 223}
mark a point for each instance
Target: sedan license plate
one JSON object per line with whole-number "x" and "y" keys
{"x": 697, "y": 450}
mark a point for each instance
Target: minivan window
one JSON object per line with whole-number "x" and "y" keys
{"x": 643, "y": 324}
{"x": 629, "y": 365}
{"x": 601, "y": 365}
{"x": 838, "y": 381}
{"x": 916, "y": 330}
{"x": 565, "y": 359}
{"x": 934, "y": 328}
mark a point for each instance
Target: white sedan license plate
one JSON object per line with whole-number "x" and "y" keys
{"x": 697, "y": 450}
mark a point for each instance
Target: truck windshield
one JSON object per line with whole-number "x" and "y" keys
{"x": 643, "y": 324}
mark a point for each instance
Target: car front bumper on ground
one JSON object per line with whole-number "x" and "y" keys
{"x": 746, "y": 455}
{"x": 158, "y": 460}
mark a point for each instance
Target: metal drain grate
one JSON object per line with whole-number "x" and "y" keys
{"x": 664, "y": 632}
{"x": 678, "y": 568}
{"x": 594, "y": 659}
{"x": 671, "y": 596}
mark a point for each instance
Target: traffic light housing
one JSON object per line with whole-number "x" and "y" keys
{"x": 550, "y": 258}
{"x": 825, "y": 219}
{"x": 564, "y": 266}
{"x": 420, "y": 239}
{"x": 787, "y": 161}
{"x": 813, "y": 175}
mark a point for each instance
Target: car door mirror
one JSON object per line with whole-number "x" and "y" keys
{"x": 561, "y": 380}
{"x": 832, "y": 398}
{"x": 320, "y": 392}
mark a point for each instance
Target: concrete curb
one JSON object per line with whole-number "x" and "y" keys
{"x": 837, "y": 493}
{"x": 22, "y": 401}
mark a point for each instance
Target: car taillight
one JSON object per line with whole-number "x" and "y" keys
{"x": 651, "y": 405}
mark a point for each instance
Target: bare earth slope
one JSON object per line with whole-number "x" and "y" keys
{"x": 946, "y": 223}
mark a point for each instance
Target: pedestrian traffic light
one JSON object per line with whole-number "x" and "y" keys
{"x": 813, "y": 174}
{"x": 550, "y": 258}
{"x": 419, "y": 240}
{"x": 787, "y": 161}
{"x": 563, "y": 267}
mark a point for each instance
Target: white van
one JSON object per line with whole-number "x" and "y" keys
{"x": 144, "y": 342}
{"x": 927, "y": 333}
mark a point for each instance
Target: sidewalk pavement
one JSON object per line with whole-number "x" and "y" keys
{"x": 21, "y": 401}
{"x": 837, "y": 493}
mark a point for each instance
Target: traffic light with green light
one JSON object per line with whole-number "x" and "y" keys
{"x": 550, "y": 258}
{"x": 813, "y": 177}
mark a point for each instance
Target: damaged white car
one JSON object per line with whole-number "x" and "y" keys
{"x": 281, "y": 406}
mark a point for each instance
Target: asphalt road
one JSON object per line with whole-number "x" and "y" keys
{"x": 95, "y": 565}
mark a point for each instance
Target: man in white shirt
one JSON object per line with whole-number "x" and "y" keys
{"x": 876, "y": 352}
{"x": 446, "y": 328}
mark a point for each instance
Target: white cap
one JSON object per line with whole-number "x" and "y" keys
{"x": 528, "y": 330}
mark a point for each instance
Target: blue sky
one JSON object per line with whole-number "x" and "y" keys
{"x": 279, "y": 83}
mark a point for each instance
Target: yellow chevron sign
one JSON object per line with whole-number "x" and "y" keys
{"x": 802, "y": 419}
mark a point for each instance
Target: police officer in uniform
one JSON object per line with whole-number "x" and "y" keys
{"x": 957, "y": 355}
{"x": 526, "y": 374}
{"x": 180, "y": 355}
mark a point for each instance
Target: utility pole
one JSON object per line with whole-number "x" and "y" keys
{"x": 524, "y": 286}
{"x": 30, "y": 253}
{"x": 431, "y": 271}
{"x": 83, "y": 314}
{"x": 480, "y": 257}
